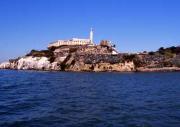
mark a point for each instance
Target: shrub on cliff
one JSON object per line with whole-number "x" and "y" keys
{"x": 14, "y": 60}
{"x": 52, "y": 48}
{"x": 161, "y": 50}
{"x": 167, "y": 64}
{"x": 42, "y": 53}
{"x": 169, "y": 50}
{"x": 168, "y": 54}
{"x": 138, "y": 63}
{"x": 135, "y": 58}
{"x": 129, "y": 57}
{"x": 151, "y": 53}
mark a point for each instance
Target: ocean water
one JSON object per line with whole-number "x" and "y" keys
{"x": 67, "y": 99}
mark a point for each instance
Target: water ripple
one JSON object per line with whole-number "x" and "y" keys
{"x": 61, "y": 99}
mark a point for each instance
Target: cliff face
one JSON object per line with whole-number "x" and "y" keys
{"x": 5, "y": 65}
{"x": 71, "y": 58}
{"x": 36, "y": 63}
{"x": 162, "y": 60}
{"x": 93, "y": 58}
{"x": 97, "y": 63}
{"x": 30, "y": 63}
{"x": 102, "y": 67}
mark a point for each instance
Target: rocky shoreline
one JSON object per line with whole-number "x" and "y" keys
{"x": 97, "y": 58}
{"x": 164, "y": 69}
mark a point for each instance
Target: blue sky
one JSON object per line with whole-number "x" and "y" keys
{"x": 133, "y": 25}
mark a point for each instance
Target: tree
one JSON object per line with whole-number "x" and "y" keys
{"x": 151, "y": 53}
{"x": 161, "y": 50}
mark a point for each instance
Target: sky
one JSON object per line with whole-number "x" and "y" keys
{"x": 132, "y": 25}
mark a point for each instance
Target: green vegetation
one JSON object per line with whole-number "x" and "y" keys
{"x": 14, "y": 60}
{"x": 43, "y": 53}
{"x": 151, "y": 53}
{"x": 169, "y": 51}
{"x": 133, "y": 57}
{"x": 127, "y": 57}
{"x": 52, "y": 48}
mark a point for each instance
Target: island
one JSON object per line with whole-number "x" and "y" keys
{"x": 82, "y": 55}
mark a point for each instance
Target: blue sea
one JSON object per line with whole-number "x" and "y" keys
{"x": 69, "y": 99}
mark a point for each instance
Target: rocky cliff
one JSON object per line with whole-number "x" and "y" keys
{"x": 95, "y": 58}
{"x": 30, "y": 63}
{"x": 71, "y": 58}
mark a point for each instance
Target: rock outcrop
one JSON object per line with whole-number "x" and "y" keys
{"x": 98, "y": 58}
{"x": 36, "y": 63}
{"x": 5, "y": 65}
{"x": 97, "y": 63}
{"x": 30, "y": 63}
{"x": 71, "y": 58}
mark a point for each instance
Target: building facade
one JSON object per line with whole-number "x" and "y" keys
{"x": 73, "y": 41}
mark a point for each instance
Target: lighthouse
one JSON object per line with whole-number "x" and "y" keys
{"x": 91, "y": 36}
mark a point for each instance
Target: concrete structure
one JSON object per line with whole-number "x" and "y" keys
{"x": 73, "y": 41}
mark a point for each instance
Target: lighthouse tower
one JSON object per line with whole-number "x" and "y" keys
{"x": 91, "y": 36}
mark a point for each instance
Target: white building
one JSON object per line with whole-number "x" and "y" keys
{"x": 73, "y": 41}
